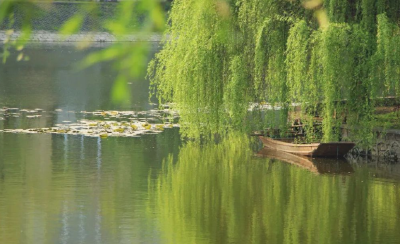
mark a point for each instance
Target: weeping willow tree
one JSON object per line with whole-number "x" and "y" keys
{"x": 334, "y": 58}
{"x": 209, "y": 67}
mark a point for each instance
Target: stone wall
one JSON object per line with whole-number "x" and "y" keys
{"x": 387, "y": 144}
{"x": 48, "y": 36}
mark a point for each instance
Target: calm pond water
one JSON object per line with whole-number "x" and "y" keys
{"x": 75, "y": 189}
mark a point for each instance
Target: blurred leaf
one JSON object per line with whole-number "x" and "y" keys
{"x": 72, "y": 25}
{"x": 9, "y": 32}
{"x": 5, "y": 55}
{"x": 20, "y": 56}
{"x": 115, "y": 27}
{"x": 120, "y": 92}
{"x": 19, "y": 47}
{"x": 157, "y": 15}
{"x": 322, "y": 18}
{"x": 5, "y": 9}
{"x": 136, "y": 63}
{"x": 312, "y": 4}
{"x": 126, "y": 11}
{"x": 25, "y": 35}
{"x": 223, "y": 9}
{"x": 125, "y": 20}
{"x": 85, "y": 43}
{"x": 110, "y": 53}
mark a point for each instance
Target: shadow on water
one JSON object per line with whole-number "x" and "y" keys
{"x": 378, "y": 167}
{"x": 223, "y": 194}
{"x": 315, "y": 165}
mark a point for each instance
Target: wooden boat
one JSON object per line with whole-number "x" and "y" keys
{"x": 329, "y": 149}
{"x": 314, "y": 165}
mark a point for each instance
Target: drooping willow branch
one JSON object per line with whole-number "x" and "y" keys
{"x": 220, "y": 57}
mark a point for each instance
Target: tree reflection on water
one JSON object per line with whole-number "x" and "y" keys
{"x": 223, "y": 194}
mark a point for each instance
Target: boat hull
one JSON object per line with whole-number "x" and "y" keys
{"x": 330, "y": 149}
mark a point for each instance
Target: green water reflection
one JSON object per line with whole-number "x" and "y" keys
{"x": 223, "y": 194}
{"x": 74, "y": 189}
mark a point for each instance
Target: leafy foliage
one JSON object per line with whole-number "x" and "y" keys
{"x": 220, "y": 56}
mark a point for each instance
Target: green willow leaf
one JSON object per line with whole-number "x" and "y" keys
{"x": 274, "y": 53}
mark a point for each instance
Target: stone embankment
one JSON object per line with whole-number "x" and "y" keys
{"x": 47, "y": 36}
{"x": 387, "y": 143}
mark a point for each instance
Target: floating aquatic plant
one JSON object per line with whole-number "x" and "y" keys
{"x": 101, "y": 129}
{"x": 102, "y": 124}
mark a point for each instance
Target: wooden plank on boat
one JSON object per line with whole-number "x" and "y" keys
{"x": 286, "y": 146}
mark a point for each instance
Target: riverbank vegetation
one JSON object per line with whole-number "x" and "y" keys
{"x": 218, "y": 57}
